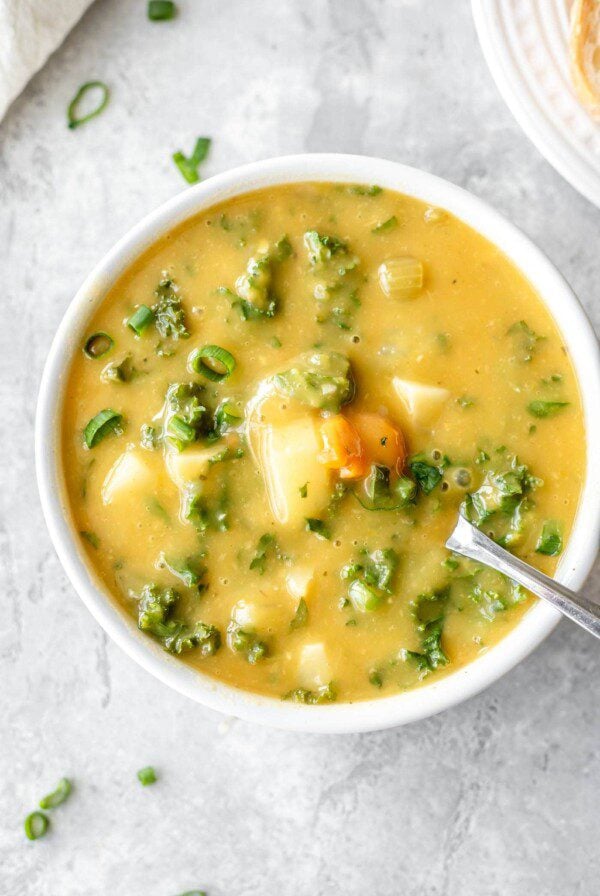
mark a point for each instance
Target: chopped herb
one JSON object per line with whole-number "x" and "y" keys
{"x": 169, "y": 315}
{"x": 303, "y": 490}
{"x": 36, "y": 825}
{"x": 58, "y": 795}
{"x": 465, "y": 401}
{"x": 501, "y": 492}
{"x": 545, "y": 408}
{"x": 247, "y": 642}
{"x": 301, "y": 616}
{"x": 386, "y": 226}
{"x": 491, "y": 601}
{"x": 189, "y": 166}
{"x": 147, "y": 776}
{"x": 161, "y": 10}
{"x": 72, "y": 119}
{"x": 190, "y": 571}
{"x": 222, "y": 362}
{"x": 149, "y": 437}
{"x": 141, "y": 319}
{"x": 267, "y": 545}
{"x": 375, "y": 678}
{"x": 363, "y": 190}
{"x": 118, "y": 371}
{"x": 101, "y": 425}
{"x": 320, "y": 380}
{"x": 275, "y": 342}
{"x": 325, "y": 694}
{"x": 524, "y": 340}
{"x": 363, "y": 597}
{"x": 426, "y": 474}
{"x": 97, "y": 345}
{"x": 378, "y": 492}
{"x": 482, "y": 456}
{"x": 156, "y": 608}
{"x": 450, "y": 563}
{"x": 92, "y": 539}
{"x": 318, "y": 528}
{"x": 550, "y": 540}
{"x": 187, "y": 419}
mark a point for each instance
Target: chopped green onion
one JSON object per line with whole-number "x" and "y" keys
{"x": 189, "y": 166}
{"x": 319, "y": 527}
{"x": 141, "y": 318}
{"x": 182, "y": 431}
{"x": 227, "y": 417}
{"x": 146, "y": 775}
{"x": 363, "y": 597}
{"x": 101, "y": 425}
{"x": 161, "y": 10}
{"x": 59, "y": 795}
{"x": 97, "y": 345}
{"x": 36, "y": 824}
{"x": 301, "y": 617}
{"x": 73, "y": 120}
{"x": 216, "y": 354}
{"x": 545, "y": 408}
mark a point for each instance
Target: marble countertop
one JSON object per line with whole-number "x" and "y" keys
{"x": 496, "y": 797}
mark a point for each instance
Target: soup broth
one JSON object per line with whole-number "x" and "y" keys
{"x": 279, "y": 411}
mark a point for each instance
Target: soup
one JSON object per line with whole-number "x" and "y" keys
{"x": 278, "y": 412}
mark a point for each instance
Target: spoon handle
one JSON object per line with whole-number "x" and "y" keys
{"x": 471, "y": 542}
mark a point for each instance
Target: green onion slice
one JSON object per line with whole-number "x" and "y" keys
{"x": 146, "y": 775}
{"x": 161, "y": 10}
{"x": 72, "y": 118}
{"x": 36, "y": 824}
{"x": 58, "y": 796}
{"x": 97, "y": 345}
{"x": 141, "y": 318}
{"x": 218, "y": 356}
{"x": 189, "y": 166}
{"x": 101, "y": 425}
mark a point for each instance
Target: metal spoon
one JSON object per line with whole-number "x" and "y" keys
{"x": 471, "y": 542}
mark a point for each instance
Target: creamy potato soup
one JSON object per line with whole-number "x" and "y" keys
{"x": 275, "y": 417}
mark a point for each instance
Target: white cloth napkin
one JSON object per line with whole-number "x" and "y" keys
{"x": 30, "y": 30}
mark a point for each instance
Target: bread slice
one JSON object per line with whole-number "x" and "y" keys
{"x": 584, "y": 49}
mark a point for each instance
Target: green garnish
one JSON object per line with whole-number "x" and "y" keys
{"x": 156, "y": 614}
{"x": 149, "y": 437}
{"x": 266, "y": 544}
{"x": 379, "y": 493}
{"x": 101, "y": 425}
{"x": 168, "y": 311}
{"x": 118, "y": 371}
{"x": 97, "y": 344}
{"x": 318, "y": 528}
{"x": 525, "y": 341}
{"x": 550, "y": 540}
{"x": 465, "y": 401}
{"x": 58, "y": 795}
{"x": 320, "y": 380}
{"x": 303, "y": 490}
{"x": 36, "y": 824}
{"x": 161, "y": 10}
{"x": 141, "y": 319}
{"x": 385, "y": 226}
{"x": 146, "y": 775}
{"x": 186, "y": 419}
{"x": 301, "y": 616}
{"x": 247, "y": 642}
{"x": 429, "y": 612}
{"x": 426, "y": 474}
{"x": 376, "y": 678}
{"x": 364, "y": 190}
{"x": 190, "y": 571}
{"x": 545, "y": 408}
{"x": 219, "y": 356}
{"x": 326, "y": 694}
{"x": 501, "y": 492}
{"x": 189, "y": 166}
{"x": 72, "y": 119}
{"x": 363, "y": 597}
{"x": 92, "y": 539}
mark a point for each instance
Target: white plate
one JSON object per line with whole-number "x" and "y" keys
{"x": 525, "y": 43}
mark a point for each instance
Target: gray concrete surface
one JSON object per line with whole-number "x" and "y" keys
{"x": 496, "y": 798}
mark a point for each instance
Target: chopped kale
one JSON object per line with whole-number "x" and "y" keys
{"x": 336, "y": 278}
{"x": 320, "y": 380}
{"x": 267, "y": 545}
{"x": 156, "y": 608}
{"x": 301, "y": 616}
{"x": 187, "y": 418}
{"x": 379, "y": 492}
{"x": 501, "y": 492}
{"x": 318, "y": 528}
{"x": 190, "y": 571}
{"x": 428, "y": 475}
{"x": 550, "y": 540}
{"x": 326, "y": 694}
{"x": 524, "y": 341}
{"x": 247, "y": 642}
{"x": 169, "y": 316}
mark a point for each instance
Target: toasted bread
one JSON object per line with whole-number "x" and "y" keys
{"x": 584, "y": 48}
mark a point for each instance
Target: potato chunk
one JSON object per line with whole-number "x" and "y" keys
{"x": 300, "y": 582}
{"x": 192, "y": 464}
{"x": 421, "y": 403}
{"x": 313, "y": 667}
{"x": 129, "y": 476}
{"x": 287, "y": 456}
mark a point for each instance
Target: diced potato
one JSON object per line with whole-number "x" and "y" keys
{"x": 300, "y": 582}
{"x": 313, "y": 667}
{"x": 287, "y": 457}
{"x": 265, "y": 613}
{"x": 191, "y": 464}
{"x": 421, "y": 402}
{"x": 129, "y": 476}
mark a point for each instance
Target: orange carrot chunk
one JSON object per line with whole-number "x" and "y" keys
{"x": 383, "y": 443}
{"x": 342, "y": 448}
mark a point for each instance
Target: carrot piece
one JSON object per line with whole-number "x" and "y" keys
{"x": 342, "y": 448}
{"x": 383, "y": 443}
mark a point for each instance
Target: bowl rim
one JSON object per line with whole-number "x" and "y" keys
{"x": 385, "y": 712}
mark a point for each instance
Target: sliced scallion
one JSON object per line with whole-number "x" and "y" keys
{"x": 146, "y": 775}
{"x": 101, "y": 425}
{"x": 363, "y": 597}
{"x": 161, "y": 10}
{"x": 73, "y": 120}
{"x": 59, "y": 794}
{"x": 189, "y": 166}
{"x": 141, "y": 318}
{"x": 216, "y": 354}
{"x": 36, "y": 824}
{"x": 97, "y": 345}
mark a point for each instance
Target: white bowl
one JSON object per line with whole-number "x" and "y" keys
{"x": 578, "y": 336}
